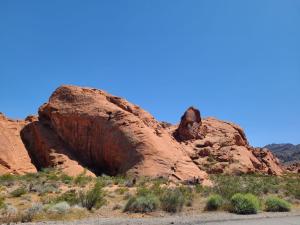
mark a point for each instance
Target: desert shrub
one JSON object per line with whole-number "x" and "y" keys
{"x": 122, "y": 190}
{"x": 44, "y": 188}
{"x": 142, "y": 181}
{"x": 105, "y": 180}
{"x": 66, "y": 179}
{"x": 82, "y": 179}
{"x": 199, "y": 188}
{"x": 69, "y": 196}
{"x": 214, "y": 202}
{"x": 9, "y": 215}
{"x": 275, "y": 204}
{"x": 29, "y": 214}
{"x": 93, "y": 197}
{"x": 244, "y": 204}
{"x": 188, "y": 195}
{"x": 292, "y": 185}
{"x": 143, "y": 191}
{"x": 61, "y": 208}
{"x": 8, "y": 179}
{"x": 18, "y": 192}
{"x": 50, "y": 174}
{"x": 172, "y": 200}
{"x": 227, "y": 186}
{"x": 142, "y": 204}
{"x": 2, "y": 202}
{"x": 119, "y": 180}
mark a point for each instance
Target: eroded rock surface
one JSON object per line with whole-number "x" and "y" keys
{"x": 111, "y": 135}
{"x": 47, "y": 150}
{"x": 85, "y": 127}
{"x": 222, "y": 147}
{"x": 190, "y": 124}
{"x": 294, "y": 168}
{"x": 14, "y": 157}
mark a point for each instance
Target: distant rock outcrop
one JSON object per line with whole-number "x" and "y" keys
{"x": 82, "y": 128}
{"x": 286, "y": 153}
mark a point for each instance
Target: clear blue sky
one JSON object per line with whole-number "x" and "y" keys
{"x": 235, "y": 60}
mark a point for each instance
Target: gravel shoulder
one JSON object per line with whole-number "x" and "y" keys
{"x": 222, "y": 218}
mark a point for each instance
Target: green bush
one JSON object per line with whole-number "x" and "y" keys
{"x": 143, "y": 191}
{"x": 7, "y": 179}
{"x": 18, "y": 192}
{"x": 244, "y": 204}
{"x": 61, "y": 208}
{"x": 2, "y": 202}
{"x": 188, "y": 195}
{"x": 142, "y": 204}
{"x": 172, "y": 200}
{"x": 275, "y": 204}
{"x": 66, "y": 179}
{"x": 30, "y": 213}
{"x": 69, "y": 196}
{"x": 82, "y": 179}
{"x": 92, "y": 198}
{"x": 122, "y": 190}
{"x": 214, "y": 202}
{"x": 292, "y": 185}
{"x": 227, "y": 186}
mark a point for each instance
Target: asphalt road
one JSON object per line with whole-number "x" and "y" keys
{"x": 294, "y": 220}
{"x": 201, "y": 219}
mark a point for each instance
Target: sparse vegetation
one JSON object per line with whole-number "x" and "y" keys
{"x": 82, "y": 179}
{"x": 172, "y": 200}
{"x": 63, "y": 197}
{"x": 18, "y": 192}
{"x": 244, "y": 204}
{"x": 142, "y": 204}
{"x": 2, "y": 202}
{"x": 227, "y": 186}
{"x": 92, "y": 198}
{"x": 275, "y": 204}
{"x": 30, "y": 213}
{"x": 61, "y": 208}
{"x": 214, "y": 202}
{"x": 69, "y": 196}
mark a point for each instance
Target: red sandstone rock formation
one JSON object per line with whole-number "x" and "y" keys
{"x": 48, "y": 150}
{"x": 222, "y": 147}
{"x": 111, "y": 135}
{"x": 294, "y": 168}
{"x": 14, "y": 157}
{"x": 190, "y": 124}
{"x": 84, "y": 127}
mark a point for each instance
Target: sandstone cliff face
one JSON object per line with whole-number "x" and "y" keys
{"x": 14, "y": 157}
{"x": 88, "y": 128}
{"x": 111, "y": 135}
{"x": 47, "y": 150}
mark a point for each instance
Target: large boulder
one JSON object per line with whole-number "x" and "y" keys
{"x": 14, "y": 157}
{"x": 112, "y": 136}
{"x": 189, "y": 127}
